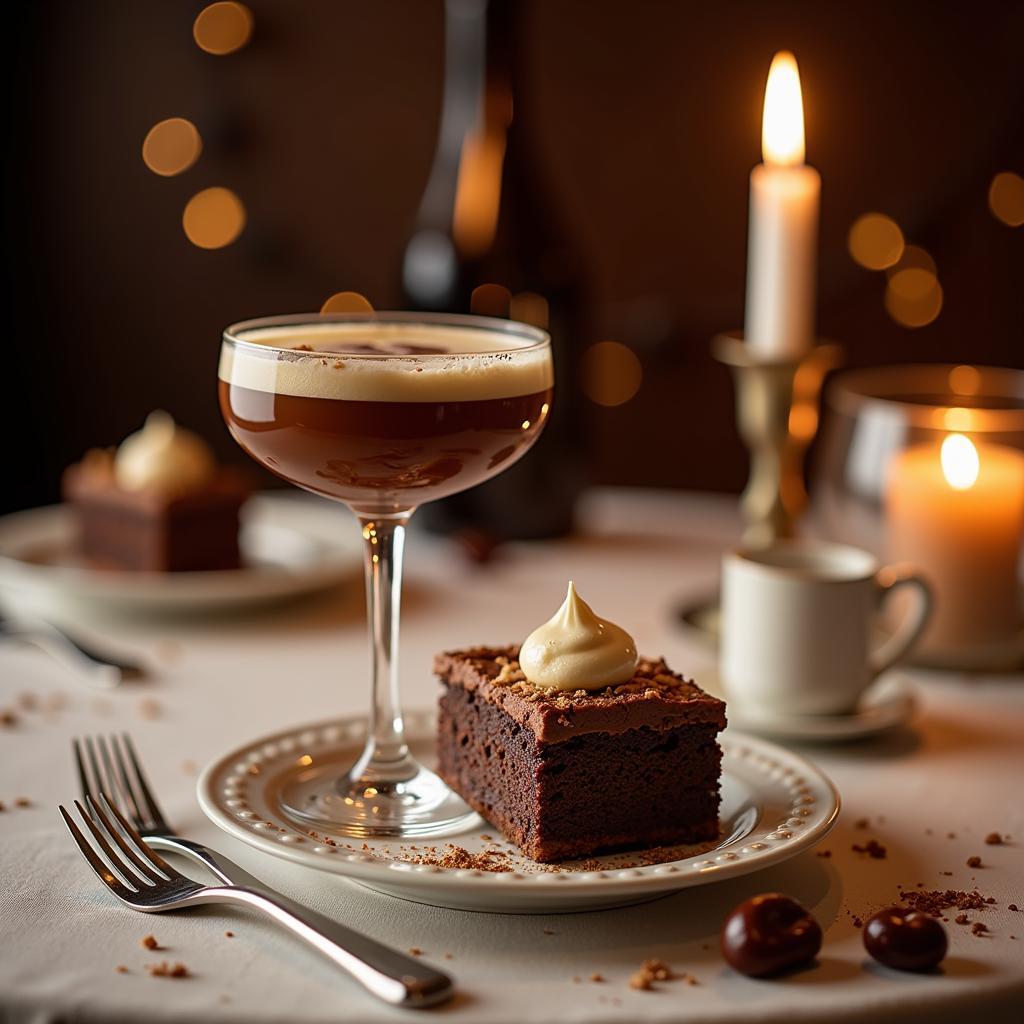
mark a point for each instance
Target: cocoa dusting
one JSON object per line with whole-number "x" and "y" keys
{"x": 934, "y": 901}
{"x": 495, "y": 861}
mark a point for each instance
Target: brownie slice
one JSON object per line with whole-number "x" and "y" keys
{"x": 148, "y": 532}
{"x": 566, "y": 774}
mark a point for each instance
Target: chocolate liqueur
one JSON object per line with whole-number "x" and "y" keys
{"x": 568, "y": 774}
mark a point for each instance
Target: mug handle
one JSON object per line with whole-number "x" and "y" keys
{"x": 908, "y": 632}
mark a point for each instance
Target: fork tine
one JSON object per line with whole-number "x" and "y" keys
{"x": 119, "y": 792}
{"x": 117, "y": 771}
{"x": 143, "y": 846}
{"x": 115, "y": 834}
{"x": 126, "y": 745}
{"x": 83, "y": 777}
{"x": 115, "y": 862}
{"x": 94, "y": 765}
{"x": 101, "y": 869}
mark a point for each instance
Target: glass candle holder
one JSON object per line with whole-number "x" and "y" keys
{"x": 925, "y": 464}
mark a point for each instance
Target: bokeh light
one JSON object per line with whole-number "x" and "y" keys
{"x": 875, "y": 241}
{"x": 913, "y": 297}
{"x": 222, "y": 28}
{"x": 213, "y": 218}
{"x": 530, "y": 308}
{"x": 347, "y": 302}
{"x": 965, "y": 380}
{"x": 490, "y": 300}
{"x": 1006, "y": 198}
{"x": 612, "y": 373}
{"x": 916, "y": 258}
{"x": 171, "y": 146}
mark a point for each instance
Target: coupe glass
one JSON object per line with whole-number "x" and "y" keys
{"x": 383, "y": 412}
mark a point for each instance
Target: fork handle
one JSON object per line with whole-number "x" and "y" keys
{"x": 226, "y": 870}
{"x": 392, "y": 976}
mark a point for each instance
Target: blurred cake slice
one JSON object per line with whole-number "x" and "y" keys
{"x": 160, "y": 503}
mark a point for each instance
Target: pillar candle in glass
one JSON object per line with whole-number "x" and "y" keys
{"x": 785, "y": 196}
{"x": 956, "y": 511}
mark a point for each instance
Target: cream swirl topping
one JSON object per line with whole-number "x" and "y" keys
{"x": 163, "y": 457}
{"x": 578, "y": 650}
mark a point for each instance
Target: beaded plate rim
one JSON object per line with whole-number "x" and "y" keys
{"x": 232, "y": 795}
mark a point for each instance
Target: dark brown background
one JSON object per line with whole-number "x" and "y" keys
{"x": 646, "y": 121}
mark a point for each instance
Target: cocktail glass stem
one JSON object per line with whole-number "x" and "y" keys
{"x": 386, "y": 760}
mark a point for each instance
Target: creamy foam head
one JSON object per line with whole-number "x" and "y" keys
{"x": 439, "y": 362}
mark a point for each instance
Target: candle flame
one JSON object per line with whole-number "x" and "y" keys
{"x": 782, "y": 129}
{"x": 960, "y": 462}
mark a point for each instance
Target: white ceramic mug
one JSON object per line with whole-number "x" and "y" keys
{"x": 796, "y": 625}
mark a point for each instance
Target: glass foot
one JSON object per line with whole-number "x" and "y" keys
{"x": 327, "y": 798}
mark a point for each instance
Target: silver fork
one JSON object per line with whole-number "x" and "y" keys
{"x": 141, "y": 879}
{"x": 114, "y": 768}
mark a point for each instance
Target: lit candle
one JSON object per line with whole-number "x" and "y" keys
{"x": 956, "y": 511}
{"x": 784, "y": 198}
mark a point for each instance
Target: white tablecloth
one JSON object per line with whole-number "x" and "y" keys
{"x": 959, "y": 769}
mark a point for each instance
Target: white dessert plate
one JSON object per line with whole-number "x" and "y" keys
{"x": 291, "y": 545}
{"x": 888, "y": 703}
{"x": 774, "y": 805}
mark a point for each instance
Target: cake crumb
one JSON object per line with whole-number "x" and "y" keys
{"x": 1013, "y": 906}
{"x": 994, "y": 839}
{"x": 872, "y": 848}
{"x": 8, "y": 717}
{"x": 974, "y": 862}
{"x": 229, "y": 935}
{"x": 449, "y": 956}
{"x": 189, "y": 767}
{"x": 121, "y": 969}
{"x": 979, "y": 928}
{"x": 597, "y": 977}
{"x": 640, "y": 980}
{"x": 22, "y": 801}
{"x": 549, "y": 931}
{"x": 149, "y": 707}
{"x": 962, "y": 919}
{"x": 823, "y": 853}
{"x": 149, "y": 942}
{"x": 28, "y": 701}
{"x": 415, "y": 951}
{"x": 167, "y": 970}
{"x": 861, "y": 823}
{"x": 858, "y": 923}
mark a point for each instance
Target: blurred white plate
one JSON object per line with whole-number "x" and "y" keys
{"x": 774, "y": 805}
{"x": 291, "y": 545}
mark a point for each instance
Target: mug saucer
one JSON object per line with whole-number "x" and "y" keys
{"x": 887, "y": 703}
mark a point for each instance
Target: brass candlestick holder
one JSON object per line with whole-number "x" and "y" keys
{"x": 777, "y": 403}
